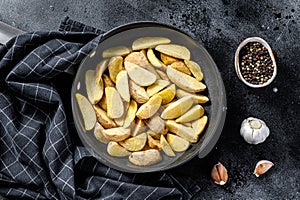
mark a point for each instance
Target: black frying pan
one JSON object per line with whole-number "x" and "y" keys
{"x": 216, "y": 109}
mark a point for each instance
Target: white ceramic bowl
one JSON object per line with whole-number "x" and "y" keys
{"x": 237, "y": 61}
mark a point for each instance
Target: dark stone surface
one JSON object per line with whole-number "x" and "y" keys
{"x": 220, "y": 26}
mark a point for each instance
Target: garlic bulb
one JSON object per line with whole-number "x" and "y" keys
{"x": 254, "y": 130}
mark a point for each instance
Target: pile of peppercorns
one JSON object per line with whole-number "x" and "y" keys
{"x": 256, "y": 64}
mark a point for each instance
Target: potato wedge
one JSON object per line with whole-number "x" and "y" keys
{"x": 115, "y": 65}
{"x": 156, "y": 87}
{"x": 166, "y": 105}
{"x": 107, "y": 81}
{"x": 99, "y": 135}
{"x": 165, "y": 131}
{"x": 156, "y": 124}
{"x": 154, "y": 60}
{"x": 181, "y": 66}
{"x": 166, "y": 59}
{"x": 198, "y": 127}
{"x": 135, "y": 143}
{"x": 144, "y": 51}
{"x": 151, "y": 69}
{"x": 177, "y": 143}
{"x": 153, "y": 134}
{"x": 114, "y": 149}
{"x": 116, "y": 134}
{"x": 168, "y": 94}
{"x": 122, "y": 85}
{"x": 120, "y": 121}
{"x": 146, "y": 147}
{"x": 100, "y": 68}
{"x": 138, "y": 93}
{"x": 115, "y": 51}
{"x": 103, "y": 119}
{"x": 139, "y": 75}
{"x": 139, "y": 127}
{"x": 185, "y": 81}
{"x": 137, "y": 58}
{"x": 103, "y": 103}
{"x": 187, "y": 133}
{"x": 94, "y": 89}
{"x": 87, "y": 111}
{"x": 130, "y": 114}
{"x": 153, "y": 143}
{"x": 194, "y": 113}
{"x": 145, "y": 158}
{"x": 198, "y": 98}
{"x": 148, "y": 109}
{"x": 187, "y": 124}
{"x": 115, "y": 107}
{"x": 177, "y": 108}
{"x": 149, "y": 42}
{"x": 174, "y": 50}
{"x": 162, "y": 75}
{"x": 166, "y": 147}
{"x": 195, "y": 69}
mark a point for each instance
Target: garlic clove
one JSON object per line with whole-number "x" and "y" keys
{"x": 219, "y": 174}
{"x": 259, "y": 136}
{"x": 247, "y": 132}
{"x": 262, "y": 167}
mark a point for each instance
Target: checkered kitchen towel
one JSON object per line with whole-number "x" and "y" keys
{"x": 41, "y": 155}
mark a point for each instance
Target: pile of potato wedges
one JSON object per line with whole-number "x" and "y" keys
{"x": 145, "y": 100}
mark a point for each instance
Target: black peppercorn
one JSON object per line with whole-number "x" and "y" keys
{"x": 257, "y": 66}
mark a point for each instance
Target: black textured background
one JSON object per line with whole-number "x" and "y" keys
{"x": 220, "y": 26}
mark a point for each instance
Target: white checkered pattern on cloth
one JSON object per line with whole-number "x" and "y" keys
{"x": 41, "y": 155}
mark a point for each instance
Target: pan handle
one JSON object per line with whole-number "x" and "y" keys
{"x": 7, "y": 32}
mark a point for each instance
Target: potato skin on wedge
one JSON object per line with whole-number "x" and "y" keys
{"x": 145, "y": 158}
{"x": 103, "y": 119}
{"x": 138, "y": 93}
